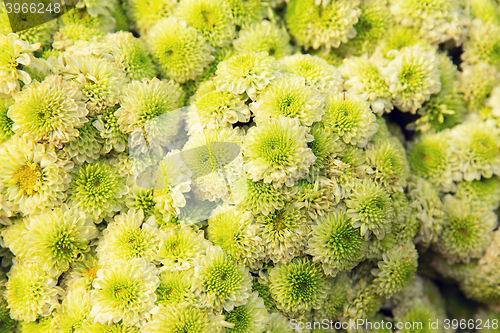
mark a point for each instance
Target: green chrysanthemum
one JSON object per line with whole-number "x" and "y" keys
{"x": 476, "y": 148}
{"x": 314, "y": 196}
{"x": 235, "y": 233}
{"x": 317, "y": 72}
{"x": 412, "y": 76}
{"x": 179, "y": 50}
{"x": 477, "y": 82}
{"x": 335, "y": 243}
{"x": 144, "y": 15}
{"x": 30, "y": 292}
{"x": 325, "y": 146}
{"x": 181, "y": 248}
{"x": 97, "y": 190}
{"x": 370, "y": 209}
{"x": 276, "y": 151}
{"x": 6, "y": 123}
{"x": 418, "y": 311}
{"x": 298, "y": 287}
{"x": 289, "y": 96}
{"x": 130, "y": 54}
{"x": 485, "y": 191}
{"x": 350, "y": 117}
{"x": 389, "y": 164}
{"x": 264, "y": 36}
{"x": 277, "y": 323}
{"x": 220, "y": 54}
{"x": 482, "y": 50}
{"x": 333, "y": 304}
{"x": 140, "y": 198}
{"x": 364, "y": 78}
{"x": 126, "y": 238}
{"x": 175, "y": 288}
{"x": 246, "y": 12}
{"x": 74, "y": 311}
{"x": 248, "y": 72}
{"x": 248, "y": 318}
{"x": 86, "y": 147}
{"x": 221, "y": 283}
{"x": 89, "y": 326}
{"x": 109, "y": 130}
{"x": 7, "y": 324}
{"x": 33, "y": 177}
{"x": 83, "y": 272}
{"x": 41, "y": 325}
{"x": 263, "y": 290}
{"x": 50, "y": 111}
{"x": 124, "y": 291}
{"x": 212, "y": 19}
{"x": 396, "y": 269}
{"x": 397, "y": 38}
{"x": 467, "y": 230}
{"x": 324, "y": 26}
{"x": 364, "y": 302}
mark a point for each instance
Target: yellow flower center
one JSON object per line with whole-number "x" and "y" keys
{"x": 28, "y": 178}
{"x": 92, "y": 272}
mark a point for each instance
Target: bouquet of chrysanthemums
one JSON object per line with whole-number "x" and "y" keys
{"x": 247, "y": 166}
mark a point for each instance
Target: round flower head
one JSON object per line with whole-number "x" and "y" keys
{"x": 314, "y": 196}
{"x": 179, "y": 50}
{"x": 290, "y": 97}
{"x": 467, "y": 230}
{"x": 322, "y": 26}
{"x": 284, "y": 234}
{"x": 109, "y": 130}
{"x": 97, "y": 190}
{"x": 74, "y": 311}
{"x": 50, "y": 111}
{"x": 175, "y": 288}
{"x": 246, "y": 12}
{"x": 86, "y": 147}
{"x": 335, "y": 243}
{"x": 32, "y": 175}
{"x": 476, "y": 148}
{"x": 144, "y": 15}
{"x": 364, "y": 302}
{"x": 235, "y": 233}
{"x": 180, "y": 248}
{"x": 389, "y": 165}
{"x": 131, "y": 56}
{"x": 430, "y": 158}
{"x": 276, "y": 151}
{"x": 221, "y": 283}
{"x": 249, "y": 318}
{"x": 212, "y": 19}
{"x": 140, "y": 198}
{"x": 124, "y": 291}
{"x": 15, "y": 53}
{"x": 248, "y": 72}
{"x": 477, "y": 82}
{"x": 397, "y": 268}
{"x": 183, "y": 317}
{"x": 479, "y": 49}
{"x": 350, "y": 117}
{"x": 298, "y": 287}
{"x": 56, "y": 237}
{"x": 325, "y": 146}
{"x": 317, "y": 72}
{"x": 6, "y": 123}
{"x": 485, "y": 191}
{"x": 264, "y": 36}
{"x": 363, "y": 78}
{"x": 412, "y": 76}
{"x": 126, "y": 238}
{"x": 397, "y": 38}
{"x": 277, "y": 323}
{"x": 486, "y": 10}
{"x": 30, "y": 291}
{"x": 83, "y": 272}
{"x": 370, "y": 209}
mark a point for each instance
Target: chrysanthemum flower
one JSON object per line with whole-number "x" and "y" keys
{"x": 221, "y": 283}
{"x": 30, "y": 292}
{"x": 482, "y": 50}
{"x": 179, "y": 50}
{"x": 370, "y": 209}
{"x": 476, "y": 147}
{"x": 314, "y": 196}
{"x": 333, "y": 304}
{"x": 335, "y": 243}
{"x": 325, "y": 146}
{"x": 83, "y": 272}
{"x": 467, "y": 230}
{"x": 234, "y": 232}
{"x": 212, "y": 19}
{"x": 485, "y": 191}
{"x": 97, "y": 190}
{"x": 246, "y": 12}
{"x": 276, "y": 151}
{"x": 364, "y": 302}
{"x": 6, "y": 131}
{"x": 7, "y": 324}
{"x": 317, "y": 72}
{"x": 412, "y": 76}
{"x": 140, "y": 198}
{"x": 324, "y": 26}
{"x": 126, "y": 238}
{"x": 125, "y": 290}
{"x": 284, "y": 233}
{"x": 350, "y": 117}
{"x": 180, "y": 248}
{"x": 389, "y": 164}
{"x": 50, "y": 111}
{"x": 33, "y": 177}
{"x": 277, "y": 323}
{"x": 175, "y": 287}
{"x": 86, "y": 147}
{"x": 144, "y": 15}
{"x": 298, "y": 287}
{"x": 74, "y": 311}
{"x": 477, "y": 82}
{"x": 15, "y": 53}
{"x": 396, "y": 39}
{"x": 248, "y": 72}
{"x": 364, "y": 78}
{"x": 264, "y": 36}
{"x": 249, "y": 318}
{"x": 109, "y": 130}
{"x": 89, "y": 326}
{"x": 41, "y": 325}
{"x": 396, "y": 269}
{"x": 290, "y": 97}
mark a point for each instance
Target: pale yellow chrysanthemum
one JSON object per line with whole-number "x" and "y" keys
{"x": 75, "y": 309}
